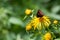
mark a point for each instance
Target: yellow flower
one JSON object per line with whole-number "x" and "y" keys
{"x": 28, "y": 11}
{"x": 28, "y": 27}
{"x": 55, "y": 22}
{"x": 39, "y": 26}
{"x": 43, "y": 21}
{"x": 46, "y": 21}
{"x": 47, "y": 36}
{"x": 36, "y": 22}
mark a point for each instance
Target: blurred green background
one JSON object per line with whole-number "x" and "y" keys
{"x": 12, "y": 12}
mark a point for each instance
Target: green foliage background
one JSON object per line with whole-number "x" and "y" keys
{"x": 12, "y": 12}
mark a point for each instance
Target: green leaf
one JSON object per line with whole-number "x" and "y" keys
{"x": 57, "y": 39}
{"x": 16, "y": 21}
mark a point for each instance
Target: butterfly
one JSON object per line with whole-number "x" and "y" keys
{"x": 40, "y": 14}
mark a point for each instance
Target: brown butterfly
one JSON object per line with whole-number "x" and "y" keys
{"x": 39, "y": 13}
